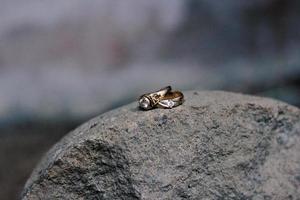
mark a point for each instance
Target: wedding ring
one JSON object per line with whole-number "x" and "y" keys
{"x": 150, "y": 100}
{"x": 171, "y": 100}
{"x": 163, "y": 98}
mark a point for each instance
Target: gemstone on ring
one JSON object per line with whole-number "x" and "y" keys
{"x": 145, "y": 103}
{"x": 168, "y": 103}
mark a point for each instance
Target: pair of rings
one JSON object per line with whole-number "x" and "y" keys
{"x": 163, "y": 98}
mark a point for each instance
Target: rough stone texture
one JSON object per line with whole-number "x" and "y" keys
{"x": 217, "y": 145}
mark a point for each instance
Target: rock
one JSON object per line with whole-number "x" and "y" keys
{"x": 217, "y": 145}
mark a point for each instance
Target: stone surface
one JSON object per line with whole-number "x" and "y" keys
{"x": 217, "y": 145}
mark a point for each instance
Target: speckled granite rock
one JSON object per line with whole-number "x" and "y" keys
{"x": 217, "y": 145}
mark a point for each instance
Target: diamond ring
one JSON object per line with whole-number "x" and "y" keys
{"x": 163, "y": 98}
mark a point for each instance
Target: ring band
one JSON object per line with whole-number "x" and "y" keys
{"x": 163, "y": 98}
{"x": 171, "y": 100}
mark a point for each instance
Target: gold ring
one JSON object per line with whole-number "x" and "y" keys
{"x": 163, "y": 98}
{"x": 171, "y": 100}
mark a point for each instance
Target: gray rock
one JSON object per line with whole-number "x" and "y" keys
{"x": 217, "y": 145}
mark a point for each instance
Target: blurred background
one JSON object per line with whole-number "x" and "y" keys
{"x": 63, "y": 62}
